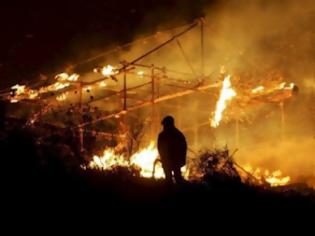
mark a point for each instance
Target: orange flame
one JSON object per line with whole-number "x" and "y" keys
{"x": 62, "y": 97}
{"x": 106, "y": 70}
{"x": 258, "y": 89}
{"x": 274, "y": 178}
{"x": 145, "y": 159}
{"x": 226, "y": 94}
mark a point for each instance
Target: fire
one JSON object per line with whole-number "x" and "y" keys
{"x": 102, "y": 84}
{"x": 145, "y": 159}
{"x": 57, "y": 86}
{"x": 282, "y": 85}
{"x": 23, "y": 92}
{"x": 108, "y": 160}
{"x": 258, "y": 89}
{"x": 290, "y": 87}
{"x": 140, "y": 73}
{"x": 274, "y": 178}
{"x": 226, "y": 94}
{"x": 106, "y": 70}
{"x": 19, "y": 89}
{"x": 66, "y": 77}
{"x": 62, "y": 96}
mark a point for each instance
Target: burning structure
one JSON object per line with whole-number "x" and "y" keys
{"x": 121, "y": 104}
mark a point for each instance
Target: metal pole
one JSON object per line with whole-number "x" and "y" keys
{"x": 160, "y": 46}
{"x": 185, "y": 57}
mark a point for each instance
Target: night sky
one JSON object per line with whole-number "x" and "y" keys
{"x": 46, "y": 36}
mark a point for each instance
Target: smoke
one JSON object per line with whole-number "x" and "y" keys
{"x": 259, "y": 39}
{"x": 255, "y": 41}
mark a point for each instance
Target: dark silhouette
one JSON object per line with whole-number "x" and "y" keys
{"x": 172, "y": 148}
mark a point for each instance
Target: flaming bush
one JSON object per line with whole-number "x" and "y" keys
{"x": 145, "y": 159}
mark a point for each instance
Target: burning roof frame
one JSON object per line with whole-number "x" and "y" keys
{"x": 127, "y": 69}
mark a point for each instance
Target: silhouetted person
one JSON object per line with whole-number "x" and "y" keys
{"x": 172, "y": 148}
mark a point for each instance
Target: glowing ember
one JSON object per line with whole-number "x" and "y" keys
{"x": 290, "y": 87}
{"x": 62, "y": 96}
{"x": 258, "y": 89}
{"x": 226, "y": 94}
{"x": 274, "y": 178}
{"x": 19, "y": 89}
{"x": 22, "y": 92}
{"x": 106, "y": 70}
{"x": 282, "y": 85}
{"x": 102, "y": 84}
{"x": 140, "y": 73}
{"x": 66, "y": 77}
{"x": 88, "y": 88}
{"x": 57, "y": 86}
{"x": 33, "y": 94}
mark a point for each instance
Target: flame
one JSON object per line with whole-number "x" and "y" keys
{"x": 62, "y": 96}
{"x": 258, "y": 89}
{"x": 108, "y": 160}
{"x": 19, "y": 89}
{"x": 226, "y": 94}
{"x": 66, "y": 77}
{"x": 140, "y": 73}
{"x": 23, "y": 92}
{"x": 102, "y": 84}
{"x": 106, "y": 70}
{"x": 274, "y": 178}
{"x": 282, "y": 85}
{"x": 145, "y": 159}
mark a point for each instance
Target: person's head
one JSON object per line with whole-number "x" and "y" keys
{"x": 168, "y": 122}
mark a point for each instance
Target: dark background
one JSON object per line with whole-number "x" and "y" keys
{"x": 46, "y": 36}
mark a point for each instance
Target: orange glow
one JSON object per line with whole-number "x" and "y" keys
{"x": 226, "y": 94}
{"x": 274, "y": 178}
{"x": 62, "y": 96}
{"x": 106, "y": 70}
{"x": 144, "y": 159}
{"x": 258, "y": 89}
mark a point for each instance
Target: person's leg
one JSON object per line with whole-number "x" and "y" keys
{"x": 178, "y": 175}
{"x": 167, "y": 172}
